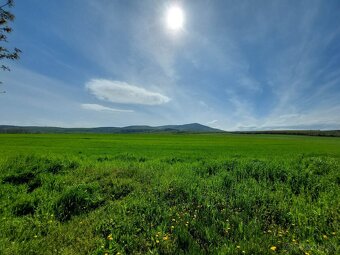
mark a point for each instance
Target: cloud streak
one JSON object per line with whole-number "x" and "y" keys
{"x": 212, "y": 122}
{"x": 124, "y": 93}
{"x": 101, "y": 108}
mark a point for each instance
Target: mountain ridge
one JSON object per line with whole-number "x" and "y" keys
{"x": 185, "y": 128}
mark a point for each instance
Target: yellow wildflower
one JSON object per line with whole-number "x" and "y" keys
{"x": 333, "y": 233}
{"x": 238, "y": 247}
{"x": 165, "y": 238}
{"x": 325, "y": 237}
{"x": 273, "y": 248}
{"x": 109, "y": 237}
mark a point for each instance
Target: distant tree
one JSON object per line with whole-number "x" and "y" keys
{"x": 5, "y": 18}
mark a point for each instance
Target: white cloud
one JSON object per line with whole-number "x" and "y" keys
{"x": 124, "y": 93}
{"x": 212, "y": 122}
{"x": 101, "y": 108}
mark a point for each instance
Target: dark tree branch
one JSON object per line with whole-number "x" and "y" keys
{"x": 9, "y": 3}
{"x": 6, "y": 17}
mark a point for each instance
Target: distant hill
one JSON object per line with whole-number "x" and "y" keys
{"x": 186, "y": 128}
{"x": 330, "y": 133}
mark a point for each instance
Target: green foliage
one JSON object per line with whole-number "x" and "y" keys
{"x": 24, "y": 207}
{"x": 167, "y": 194}
{"x": 77, "y": 200}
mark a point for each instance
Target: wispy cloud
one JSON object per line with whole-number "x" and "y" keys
{"x": 101, "y": 108}
{"x": 244, "y": 64}
{"x": 124, "y": 93}
{"x": 212, "y": 122}
{"x": 326, "y": 118}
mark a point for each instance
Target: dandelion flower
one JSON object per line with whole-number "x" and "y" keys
{"x": 273, "y": 248}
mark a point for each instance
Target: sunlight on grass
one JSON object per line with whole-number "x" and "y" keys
{"x": 177, "y": 201}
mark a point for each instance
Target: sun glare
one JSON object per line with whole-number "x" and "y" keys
{"x": 175, "y": 18}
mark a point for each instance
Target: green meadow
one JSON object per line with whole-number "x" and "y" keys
{"x": 169, "y": 194}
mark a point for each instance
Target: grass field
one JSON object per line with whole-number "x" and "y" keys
{"x": 169, "y": 194}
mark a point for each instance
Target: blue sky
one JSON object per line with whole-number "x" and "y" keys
{"x": 234, "y": 65}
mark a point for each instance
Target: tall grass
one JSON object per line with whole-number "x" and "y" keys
{"x": 177, "y": 204}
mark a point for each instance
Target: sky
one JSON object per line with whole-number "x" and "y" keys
{"x": 233, "y": 65}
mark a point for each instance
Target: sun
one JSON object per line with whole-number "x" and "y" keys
{"x": 175, "y": 18}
